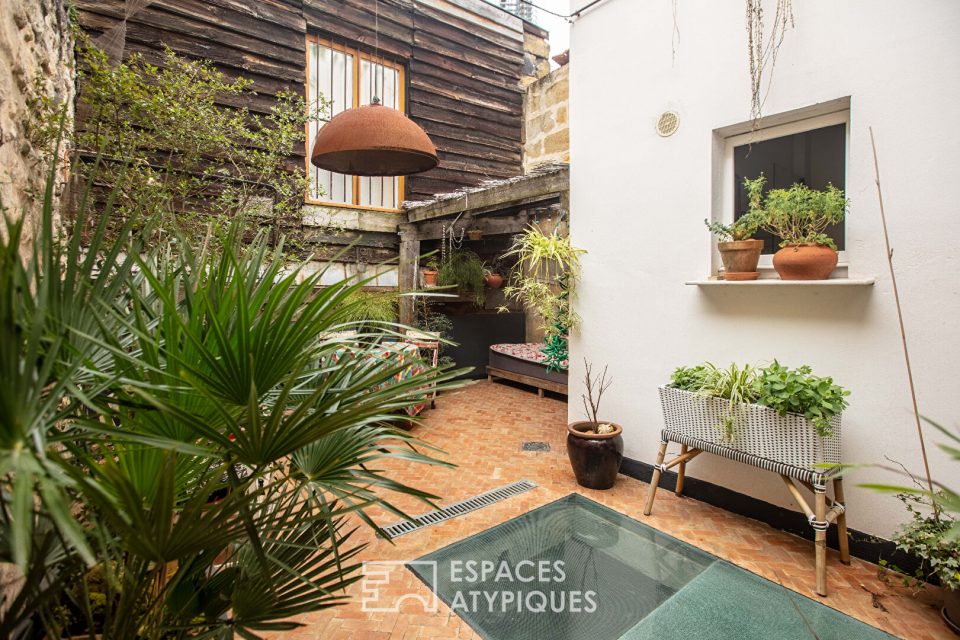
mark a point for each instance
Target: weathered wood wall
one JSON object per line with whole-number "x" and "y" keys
{"x": 465, "y": 61}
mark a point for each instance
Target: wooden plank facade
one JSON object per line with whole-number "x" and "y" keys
{"x": 464, "y": 61}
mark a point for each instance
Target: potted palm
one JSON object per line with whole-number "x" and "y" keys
{"x": 739, "y": 251}
{"x": 594, "y": 446}
{"x": 799, "y": 216}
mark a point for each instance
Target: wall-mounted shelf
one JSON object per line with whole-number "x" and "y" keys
{"x": 776, "y": 282}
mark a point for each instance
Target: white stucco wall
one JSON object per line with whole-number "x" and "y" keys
{"x": 638, "y": 202}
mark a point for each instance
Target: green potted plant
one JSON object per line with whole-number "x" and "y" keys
{"x": 799, "y": 216}
{"x": 928, "y": 537}
{"x": 464, "y": 270}
{"x": 492, "y": 276}
{"x": 767, "y": 411}
{"x": 594, "y": 446}
{"x": 739, "y": 251}
{"x": 431, "y": 273}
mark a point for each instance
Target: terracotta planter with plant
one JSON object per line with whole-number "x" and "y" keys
{"x": 594, "y": 446}
{"x": 493, "y": 280}
{"x": 739, "y": 252}
{"x": 474, "y": 234}
{"x": 800, "y": 216}
{"x": 431, "y": 274}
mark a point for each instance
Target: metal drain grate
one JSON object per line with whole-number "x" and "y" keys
{"x": 457, "y": 509}
{"x": 535, "y": 446}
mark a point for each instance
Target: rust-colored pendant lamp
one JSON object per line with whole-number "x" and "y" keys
{"x": 373, "y": 140}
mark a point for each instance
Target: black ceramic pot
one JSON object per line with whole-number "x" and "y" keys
{"x": 595, "y": 458}
{"x": 951, "y": 609}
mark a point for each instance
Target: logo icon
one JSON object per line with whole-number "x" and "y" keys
{"x": 377, "y": 596}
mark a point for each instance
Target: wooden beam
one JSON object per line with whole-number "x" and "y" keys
{"x": 407, "y": 271}
{"x": 544, "y": 186}
{"x": 434, "y": 229}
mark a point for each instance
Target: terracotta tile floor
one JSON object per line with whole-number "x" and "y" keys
{"x": 482, "y": 427}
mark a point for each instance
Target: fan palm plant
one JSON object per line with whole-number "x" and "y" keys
{"x": 188, "y": 424}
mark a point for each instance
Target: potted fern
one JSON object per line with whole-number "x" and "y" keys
{"x": 799, "y": 216}
{"x": 464, "y": 270}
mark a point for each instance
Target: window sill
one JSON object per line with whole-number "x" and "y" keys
{"x": 776, "y": 282}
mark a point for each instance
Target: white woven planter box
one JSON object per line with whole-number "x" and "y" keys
{"x": 758, "y": 430}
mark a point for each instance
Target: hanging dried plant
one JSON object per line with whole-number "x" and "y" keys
{"x": 763, "y": 52}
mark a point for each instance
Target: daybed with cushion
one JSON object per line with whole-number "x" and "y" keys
{"x": 525, "y": 363}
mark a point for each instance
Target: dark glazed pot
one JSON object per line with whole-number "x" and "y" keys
{"x": 595, "y": 458}
{"x": 951, "y": 609}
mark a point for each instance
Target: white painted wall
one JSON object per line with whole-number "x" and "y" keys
{"x": 639, "y": 200}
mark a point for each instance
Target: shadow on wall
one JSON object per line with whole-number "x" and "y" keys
{"x": 823, "y": 305}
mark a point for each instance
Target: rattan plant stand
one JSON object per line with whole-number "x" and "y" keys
{"x": 785, "y": 445}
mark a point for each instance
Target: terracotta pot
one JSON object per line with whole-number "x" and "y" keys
{"x": 951, "y": 609}
{"x": 430, "y": 278}
{"x": 493, "y": 280}
{"x": 805, "y": 262}
{"x": 595, "y": 458}
{"x": 740, "y": 258}
{"x": 474, "y": 234}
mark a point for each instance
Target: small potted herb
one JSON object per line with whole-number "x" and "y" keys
{"x": 431, "y": 273}
{"x": 594, "y": 446}
{"x": 799, "y": 216}
{"x": 739, "y": 251}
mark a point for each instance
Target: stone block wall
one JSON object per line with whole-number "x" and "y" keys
{"x": 35, "y": 47}
{"x": 546, "y": 115}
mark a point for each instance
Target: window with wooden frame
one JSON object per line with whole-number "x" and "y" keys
{"x": 346, "y": 77}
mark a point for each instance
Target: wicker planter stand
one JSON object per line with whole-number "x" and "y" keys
{"x": 786, "y": 445}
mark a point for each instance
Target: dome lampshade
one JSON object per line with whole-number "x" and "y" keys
{"x": 373, "y": 140}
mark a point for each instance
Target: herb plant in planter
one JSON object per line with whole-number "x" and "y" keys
{"x": 774, "y": 412}
{"x": 799, "y": 216}
{"x": 739, "y": 251}
{"x": 595, "y": 447}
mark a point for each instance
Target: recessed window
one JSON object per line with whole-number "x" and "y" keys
{"x": 815, "y": 158}
{"x": 347, "y": 77}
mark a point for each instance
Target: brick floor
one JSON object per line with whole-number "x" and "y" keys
{"x": 481, "y": 429}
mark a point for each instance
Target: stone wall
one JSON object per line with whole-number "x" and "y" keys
{"x": 546, "y": 127}
{"x": 35, "y": 43}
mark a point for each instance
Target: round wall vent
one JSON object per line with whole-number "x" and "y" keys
{"x": 668, "y": 123}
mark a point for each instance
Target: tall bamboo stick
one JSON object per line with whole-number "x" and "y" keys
{"x": 903, "y": 331}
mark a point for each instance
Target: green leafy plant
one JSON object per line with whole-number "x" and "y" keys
{"x": 735, "y": 383}
{"x": 464, "y": 269}
{"x": 372, "y": 307}
{"x": 543, "y": 280}
{"x": 742, "y": 228}
{"x": 798, "y": 391}
{"x": 173, "y": 418}
{"x": 928, "y": 537}
{"x": 798, "y": 215}
{"x": 782, "y": 389}
{"x": 189, "y": 161}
